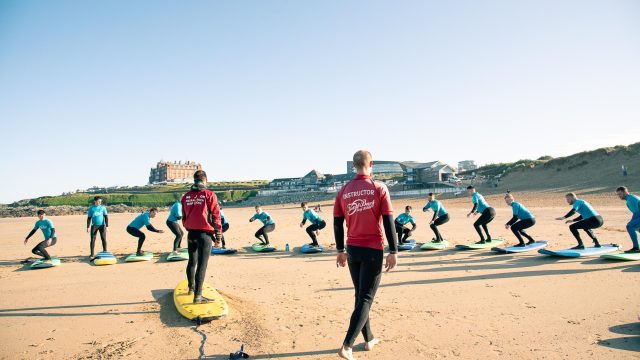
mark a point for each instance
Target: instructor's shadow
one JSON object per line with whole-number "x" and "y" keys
{"x": 168, "y": 313}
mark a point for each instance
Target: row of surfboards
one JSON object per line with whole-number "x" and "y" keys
{"x": 610, "y": 251}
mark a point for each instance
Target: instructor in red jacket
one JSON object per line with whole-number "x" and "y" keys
{"x": 365, "y": 205}
{"x": 201, "y": 218}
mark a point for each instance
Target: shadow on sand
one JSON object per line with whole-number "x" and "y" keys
{"x": 629, "y": 343}
{"x": 27, "y": 312}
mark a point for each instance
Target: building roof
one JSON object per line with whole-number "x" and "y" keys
{"x": 315, "y": 173}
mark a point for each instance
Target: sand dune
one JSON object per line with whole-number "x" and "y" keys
{"x": 446, "y": 304}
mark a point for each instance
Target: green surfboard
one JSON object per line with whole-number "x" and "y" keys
{"x": 260, "y": 247}
{"x": 178, "y": 257}
{"x": 135, "y": 258}
{"x": 486, "y": 245}
{"x": 621, "y": 256}
{"x": 435, "y": 245}
{"x": 40, "y": 264}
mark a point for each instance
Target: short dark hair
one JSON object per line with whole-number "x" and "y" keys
{"x": 41, "y": 212}
{"x": 622, "y": 189}
{"x": 408, "y": 207}
{"x": 430, "y": 194}
{"x": 570, "y": 194}
{"x": 257, "y": 206}
{"x": 470, "y": 187}
{"x": 304, "y": 203}
{"x": 153, "y": 209}
{"x": 96, "y": 198}
{"x": 199, "y": 175}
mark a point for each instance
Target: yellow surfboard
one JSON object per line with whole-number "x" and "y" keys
{"x": 215, "y": 309}
{"x": 105, "y": 261}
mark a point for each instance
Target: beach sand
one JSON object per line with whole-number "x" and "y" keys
{"x": 444, "y": 304}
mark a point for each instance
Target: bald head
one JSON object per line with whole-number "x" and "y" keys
{"x": 361, "y": 159}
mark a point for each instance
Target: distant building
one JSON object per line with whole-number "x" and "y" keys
{"x": 413, "y": 172}
{"x": 166, "y": 171}
{"x": 312, "y": 181}
{"x": 467, "y": 165}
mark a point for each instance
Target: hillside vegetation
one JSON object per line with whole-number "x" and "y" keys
{"x": 597, "y": 170}
{"x": 147, "y": 196}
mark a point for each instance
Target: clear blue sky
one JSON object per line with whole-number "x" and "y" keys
{"x": 95, "y": 93}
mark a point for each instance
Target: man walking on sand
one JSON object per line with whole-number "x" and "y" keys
{"x": 366, "y": 207}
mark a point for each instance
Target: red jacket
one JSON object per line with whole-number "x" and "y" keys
{"x": 200, "y": 211}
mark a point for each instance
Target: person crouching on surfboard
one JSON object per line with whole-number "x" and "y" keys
{"x": 201, "y": 218}
{"x": 633, "y": 227}
{"x": 440, "y": 216}
{"x": 522, "y": 219}
{"x": 268, "y": 225}
{"x": 97, "y": 221}
{"x": 50, "y": 238}
{"x": 141, "y": 220}
{"x": 588, "y": 220}
{"x": 487, "y": 213}
{"x": 316, "y": 221}
{"x": 365, "y": 205}
{"x": 401, "y": 221}
{"x": 225, "y": 227}
{"x": 173, "y": 223}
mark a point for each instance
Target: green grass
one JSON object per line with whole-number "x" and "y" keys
{"x": 149, "y": 199}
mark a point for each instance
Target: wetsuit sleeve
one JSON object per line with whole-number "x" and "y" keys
{"x": 214, "y": 212}
{"x": 513, "y": 220}
{"x": 151, "y": 228}
{"x": 33, "y": 231}
{"x": 304, "y": 220}
{"x": 392, "y": 238}
{"x": 338, "y": 233}
{"x": 475, "y": 207}
{"x": 435, "y": 215}
{"x": 53, "y": 233}
{"x": 570, "y": 213}
{"x": 106, "y": 220}
{"x": 88, "y": 220}
{"x": 414, "y": 224}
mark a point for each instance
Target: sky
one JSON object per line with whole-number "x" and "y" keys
{"x": 95, "y": 93}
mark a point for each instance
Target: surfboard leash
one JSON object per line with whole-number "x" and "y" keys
{"x": 204, "y": 337}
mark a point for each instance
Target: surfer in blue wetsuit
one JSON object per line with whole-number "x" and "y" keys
{"x": 141, "y": 220}
{"x": 316, "y": 221}
{"x": 97, "y": 221}
{"x": 268, "y": 225}
{"x": 440, "y": 216}
{"x": 173, "y": 223}
{"x": 588, "y": 220}
{"x": 50, "y": 238}
{"x": 633, "y": 227}
{"x": 487, "y": 214}
{"x": 522, "y": 219}
{"x": 225, "y": 227}
{"x": 400, "y": 222}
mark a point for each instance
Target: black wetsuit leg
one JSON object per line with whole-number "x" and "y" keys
{"x": 94, "y": 231}
{"x": 139, "y": 234}
{"x": 263, "y": 232}
{"x": 587, "y": 225}
{"x": 365, "y": 267}
{"x": 518, "y": 229}
{"x": 177, "y": 231}
{"x": 399, "y": 231}
{"x": 199, "y": 244}
{"x": 225, "y": 227}
{"x": 40, "y": 249}
{"x": 439, "y": 221}
{"x": 311, "y": 231}
{"x": 486, "y": 217}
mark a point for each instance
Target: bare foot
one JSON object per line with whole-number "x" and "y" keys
{"x": 371, "y": 344}
{"x": 346, "y": 353}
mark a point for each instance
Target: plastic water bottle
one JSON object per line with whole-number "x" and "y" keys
{"x": 286, "y": 248}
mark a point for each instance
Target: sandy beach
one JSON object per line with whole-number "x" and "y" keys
{"x": 443, "y": 304}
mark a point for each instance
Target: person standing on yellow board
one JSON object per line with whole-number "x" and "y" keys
{"x": 365, "y": 205}
{"x": 201, "y": 218}
{"x": 97, "y": 221}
